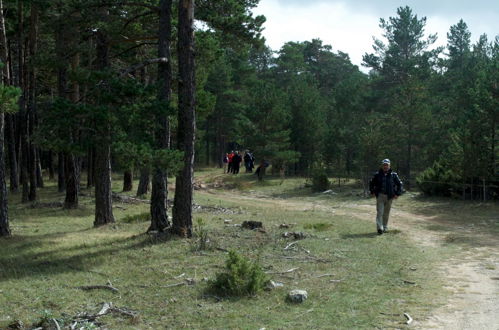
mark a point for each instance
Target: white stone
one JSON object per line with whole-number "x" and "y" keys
{"x": 297, "y": 296}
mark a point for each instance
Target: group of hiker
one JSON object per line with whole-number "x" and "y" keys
{"x": 232, "y": 162}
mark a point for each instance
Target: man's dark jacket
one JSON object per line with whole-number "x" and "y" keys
{"x": 393, "y": 184}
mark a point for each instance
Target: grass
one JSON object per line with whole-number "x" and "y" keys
{"x": 354, "y": 278}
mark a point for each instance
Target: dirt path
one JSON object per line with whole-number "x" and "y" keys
{"x": 472, "y": 275}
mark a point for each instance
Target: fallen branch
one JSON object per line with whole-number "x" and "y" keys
{"x": 290, "y": 245}
{"x": 173, "y": 285}
{"x": 58, "y": 327}
{"x": 409, "y": 282}
{"x": 285, "y": 272}
{"x": 307, "y": 258}
{"x": 105, "y": 309}
{"x": 94, "y": 287}
{"x": 324, "y": 275}
{"x": 409, "y": 318}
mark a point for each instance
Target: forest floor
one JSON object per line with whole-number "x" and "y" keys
{"x": 439, "y": 264}
{"x": 470, "y": 272}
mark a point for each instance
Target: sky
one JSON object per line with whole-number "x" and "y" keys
{"x": 349, "y": 25}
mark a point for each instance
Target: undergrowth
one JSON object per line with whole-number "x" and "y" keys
{"x": 241, "y": 277}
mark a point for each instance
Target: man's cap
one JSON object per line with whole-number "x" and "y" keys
{"x": 385, "y": 161}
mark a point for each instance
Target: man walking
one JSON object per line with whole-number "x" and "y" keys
{"x": 386, "y": 186}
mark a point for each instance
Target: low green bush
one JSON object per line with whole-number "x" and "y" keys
{"x": 241, "y": 278}
{"x": 320, "y": 180}
{"x": 438, "y": 180}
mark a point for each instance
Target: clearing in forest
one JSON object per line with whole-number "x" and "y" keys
{"x": 438, "y": 264}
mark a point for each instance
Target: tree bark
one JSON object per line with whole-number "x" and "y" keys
{"x": 128, "y": 180}
{"x": 143, "y": 187}
{"x": 11, "y": 149}
{"x": 103, "y": 198}
{"x": 61, "y": 175}
{"x": 31, "y": 148}
{"x": 159, "y": 193}
{"x": 8, "y": 121}
{"x": 4, "y": 48}
{"x": 71, "y": 161}
{"x": 72, "y": 176}
{"x": 22, "y": 117}
{"x": 182, "y": 208}
{"x": 4, "y": 215}
{"x": 90, "y": 167}
{"x": 50, "y": 160}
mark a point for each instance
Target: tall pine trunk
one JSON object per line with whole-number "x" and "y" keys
{"x": 159, "y": 193}
{"x": 182, "y": 208}
{"x": 11, "y": 149}
{"x": 72, "y": 170}
{"x": 31, "y": 148}
{"x": 143, "y": 187}
{"x": 61, "y": 176}
{"x": 90, "y": 167}
{"x": 22, "y": 116}
{"x": 4, "y": 215}
{"x": 103, "y": 193}
{"x": 72, "y": 176}
{"x": 128, "y": 180}
{"x": 8, "y": 120}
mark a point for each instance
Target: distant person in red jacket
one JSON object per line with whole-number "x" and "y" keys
{"x": 230, "y": 156}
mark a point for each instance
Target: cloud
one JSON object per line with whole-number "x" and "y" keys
{"x": 425, "y": 7}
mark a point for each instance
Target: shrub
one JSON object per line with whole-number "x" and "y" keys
{"x": 438, "y": 180}
{"x": 241, "y": 278}
{"x": 320, "y": 180}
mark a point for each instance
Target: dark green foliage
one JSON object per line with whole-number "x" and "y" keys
{"x": 320, "y": 180}
{"x": 9, "y": 96}
{"x": 439, "y": 180}
{"x": 241, "y": 278}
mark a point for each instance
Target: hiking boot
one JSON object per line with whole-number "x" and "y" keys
{"x": 385, "y": 230}
{"x": 380, "y": 231}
